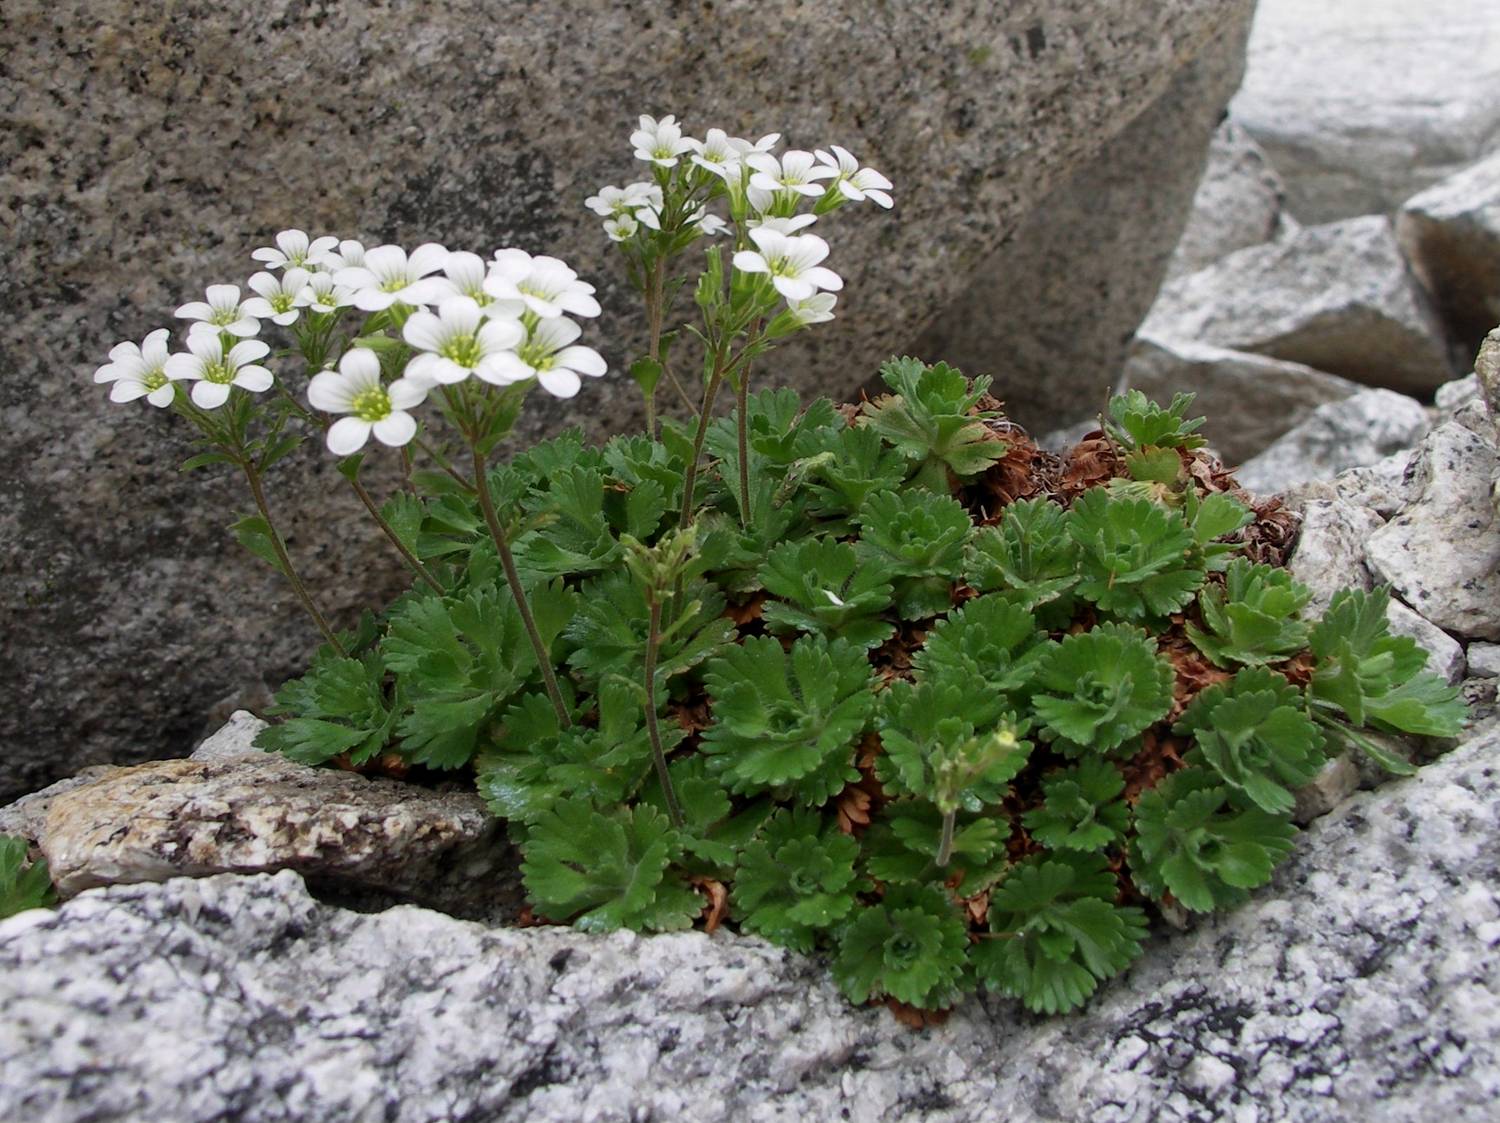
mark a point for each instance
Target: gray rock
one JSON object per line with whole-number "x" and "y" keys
{"x": 1359, "y": 431}
{"x": 1237, "y": 204}
{"x": 1453, "y": 396}
{"x": 1330, "y": 550}
{"x": 1249, "y": 399}
{"x": 1361, "y": 984}
{"x": 1360, "y": 106}
{"x": 1385, "y": 486}
{"x": 1487, "y": 372}
{"x": 1444, "y": 655}
{"x": 27, "y": 817}
{"x": 1049, "y": 313}
{"x": 1335, "y": 782}
{"x": 150, "y": 148}
{"x": 1451, "y": 235}
{"x": 1483, "y": 659}
{"x": 233, "y": 809}
{"x": 1442, "y": 554}
{"x": 1337, "y": 297}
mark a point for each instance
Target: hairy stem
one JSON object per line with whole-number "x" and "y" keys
{"x": 655, "y": 295}
{"x": 390, "y": 532}
{"x": 743, "y": 393}
{"x": 653, "y": 642}
{"x": 543, "y": 659}
{"x": 287, "y": 569}
{"x": 945, "y": 847}
{"x": 705, "y": 415}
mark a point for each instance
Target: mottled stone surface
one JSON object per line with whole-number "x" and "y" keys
{"x": 232, "y": 809}
{"x": 1483, "y": 659}
{"x": 1445, "y": 657}
{"x": 1451, "y": 235}
{"x": 1363, "y": 983}
{"x": 1238, "y": 202}
{"x": 1337, "y": 297}
{"x": 1249, "y": 400}
{"x": 1048, "y": 314}
{"x": 1385, "y": 486}
{"x": 1330, "y": 551}
{"x": 146, "y": 149}
{"x": 1362, "y": 104}
{"x": 1442, "y": 554}
{"x": 1357, "y": 432}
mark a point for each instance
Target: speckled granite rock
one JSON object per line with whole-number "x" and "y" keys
{"x": 233, "y": 809}
{"x": 1451, "y": 235}
{"x": 1358, "y": 431}
{"x": 148, "y": 148}
{"x": 1238, "y": 202}
{"x": 1442, "y": 553}
{"x": 1330, "y": 550}
{"x": 1337, "y": 297}
{"x": 1048, "y": 314}
{"x": 1363, "y": 983}
{"x": 1250, "y": 400}
{"x": 1361, "y": 105}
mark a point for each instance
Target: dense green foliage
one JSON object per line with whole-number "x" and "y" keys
{"x": 22, "y": 886}
{"x": 956, "y": 743}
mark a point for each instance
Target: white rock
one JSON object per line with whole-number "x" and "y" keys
{"x": 1484, "y": 659}
{"x": 1360, "y": 984}
{"x": 1444, "y": 655}
{"x": 1359, "y": 431}
{"x": 1330, "y": 549}
{"x": 1237, "y": 204}
{"x": 1249, "y": 399}
{"x": 1362, "y": 103}
{"x": 1335, "y": 782}
{"x": 1384, "y": 487}
{"x": 1336, "y": 297}
{"x": 1442, "y": 554}
{"x": 1451, "y": 235}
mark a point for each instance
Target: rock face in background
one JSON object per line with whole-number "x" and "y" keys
{"x": 1337, "y": 297}
{"x": 1451, "y": 234}
{"x": 147, "y": 150}
{"x": 1361, "y": 105}
{"x": 1238, "y": 203}
{"x": 1362, "y": 984}
{"x": 1049, "y": 313}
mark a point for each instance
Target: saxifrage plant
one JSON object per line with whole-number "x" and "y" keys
{"x": 809, "y": 671}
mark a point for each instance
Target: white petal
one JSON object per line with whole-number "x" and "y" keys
{"x": 407, "y": 392}
{"x": 579, "y": 304}
{"x": 360, "y": 367}
{"x": 824, "y": 278}
{"x": 259, "y": 306}
{"x": 181, "y": 367}
{"x": 247, "y": 351}
{"x": 556, "y": 334}
{"x": 162, "y": 396}
{"x": 210, "y": 395}
{"x": 256, "y": 379}
{"x": 385, "y": 261}
{"x": 428, "y": 258}
{"x": 424, "y": 331}
{"x": 206, "y": 345}
{"x": 194, "y": 310}
{"x": 347, "y": 435}
{"x": 496, "y": 335}
{"x": 559, "y": 382}
{"x": 507, "y": 367}
{"x": 355, "y": 277}
{"x": 223, "y": 296}
{"x": 584, "y": 360}
{"x": 330, "y": 392}
{"x": 748, "y": 261}
{"x": 459, "y": 314}
{"x": 793, "y": 288}
{"x": 373, "y": 300}
{"x": 265, "y": 284}
{"x": 396, "y": 429}
{"x": 127, "y": 391}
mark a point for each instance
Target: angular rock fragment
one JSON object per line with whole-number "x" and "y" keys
{"x": 1237, "y": 204}
{"x": 1330, "y": 551}
{"x": 1358, "y": 431}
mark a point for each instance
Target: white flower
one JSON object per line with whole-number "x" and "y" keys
{"x": 764, "y": 144}
{"x": 464, "y": 275}
{"x": 546, "y": 285}
{"x": 791, "y": 261}
{"x": 795, "y": 172}
{"x": 549, "y": 357}
{"x": 706, "y": 223}
{"x": 815, "y": 309}
{"x": 357, "y": 391}
{"x": 221, "y": 312}
{"x": 294, "y": 249}
{"x": 139, "y": 371}
{"x": 660, "y": 142}
{"x": 389, "y": 277}
{"x": 621, "y": 228}
{"x": 719, "y": 153}
{"x": 280, "y": 298}
{"x": 613, "y": 201}
{"x": 323, "y": 294}
{"x": 649, "y": 216}
{"x": 855, "y": 182}
{"x": 460, "y": 341}
{"x": 350, "y": 255}
{"x": 789, "y": 225}
{"x": 213, "y": 372}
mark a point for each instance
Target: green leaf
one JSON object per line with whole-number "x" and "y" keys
{"x": 931, "y": 416}
{"x": 903, "y": 844}
{"x": 1253, "y": 618}
{"x": 788, "y": 721}
{"x": 1098, "y": 688}
{"x": 949, "y": 741}
{"x": 1138, "y": 423}
{"x": 204, "y": 459}
{"x": 796, "y": 879}
{"x": 1083, "y": 808}
{"x": 1029, "y": 558}
{"x": 609, "y": 630}
{"x": 1134, "y": 556}
{"x": 1056, "y": 933}
{"x": 255, "y": 534}
{"x": 1190, "y": 841}
{"x": 22, "y": 886}
{"x": 405, "y": 513}
{"x": 846, "y": 467}
{"x": 919, "y": 537}
{"x": 910, "y": 947}
{"x": 827, "y": 592}
{"x": 989, "y": 640}
{"x": 338, "y": 706}
{"x": 607, "y": 871}
{"x": 646, "y": 372}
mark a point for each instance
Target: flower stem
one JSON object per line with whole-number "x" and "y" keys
{"x": 655, "y": 295}
{"x": 390, "y": 532}
{"x": 543, "y": 659}
{"x": 945, "y": 846}
{"x": 287, "y": 569}
{"x": 705, "y": 415}
{"x": 743, "y": 394}
{"x": 653, "y": 642}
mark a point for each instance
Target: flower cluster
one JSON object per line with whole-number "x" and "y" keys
{"x": 765, "y": 193}
{"x": 504, "y": 321}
